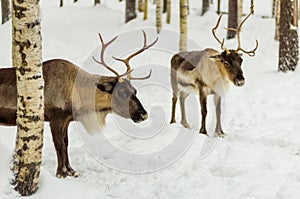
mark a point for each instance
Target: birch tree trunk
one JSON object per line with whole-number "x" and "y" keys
{"x": 205, "y": 6}
{"x": 164, "y": 10}
{"x": 232, "y": 18}
{"x": 158, "y": 15}
{"x": 130, "y": 10}
{"x": 96, "y": 2}
{"x": 5, "y": 10}
{"x": 273, "y": 8}
{"x": 183, "y": 25}
{"x": 240, "y": 12}
{"x": 219, "y": 7}
{"x": 168, "y": 12}
{"x": 288, "y": 37}
{"x": 277, "y": 20}
{"x": 145, "y": 9}
{"x": 27, "y": 58}
{"x": 140, "y": 5}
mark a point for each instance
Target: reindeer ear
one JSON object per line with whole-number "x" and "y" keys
{"x": 105, "y": 87}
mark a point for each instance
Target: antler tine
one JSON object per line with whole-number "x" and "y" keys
{"x": 142, "y": 78}
{"x": 214, "y": 34}
{"x": 103, "y": 48}
{"x": 238, "y": 30}
{"x": 251, "y": 53}
{"x": 126, "y": 60}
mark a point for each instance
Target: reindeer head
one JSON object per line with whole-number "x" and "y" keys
{"x": 123, "y": 96}
{"x": 231, "y": 60}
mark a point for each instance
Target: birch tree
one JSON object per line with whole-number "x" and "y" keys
{"x": 164, "y": 10}
{"x": 288, "y": 37}
{"x": 96, "y": 2}
{"x": 27, "y": 58}
{"x": 140, "y": 5}
{"x": 219, "y": 7}
{"x": 277, "y": 20}
{"x": 240, "y": 12}
{"x": 273, "y": 8}
{"x": 205, "y": 6}
{"x": 145, "y": 9}
{"x": 158, "y": 15}
{"x": 130, "y": 10}
{"x": 232, "y": 18}
{"x": 183, "y": 25}
{"x": 5, "y": 10}
{"x": 168, "y": 12}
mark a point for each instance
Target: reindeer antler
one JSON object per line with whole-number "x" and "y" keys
{"x": 238, "y": 30}
{"x": 214, "y": 34}
{"x": 126, "y": 60}
{"x": 102, "y": 62}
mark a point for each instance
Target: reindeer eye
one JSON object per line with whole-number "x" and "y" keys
{"x": 226, "y": 63}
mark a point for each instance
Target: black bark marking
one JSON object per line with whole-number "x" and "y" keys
{"x": 23, "y": 128}
{"x": 33, "y": 24}
{"x": 23, "y": 70}
{"x": 39, "y": 147}
{"x": 32, "y": 137}
{"x": 19, "y": 10}
{"x": 25, "y": 147}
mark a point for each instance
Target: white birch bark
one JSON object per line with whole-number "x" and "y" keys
{"x": 27, "y": 58}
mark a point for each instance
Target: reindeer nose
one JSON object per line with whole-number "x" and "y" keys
{"x": 240, "y": 82}
{"x": 144, "y": 116}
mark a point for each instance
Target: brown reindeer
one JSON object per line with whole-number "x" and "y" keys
{"x": 204, "y": 73}
{"x": 68, "y": 91}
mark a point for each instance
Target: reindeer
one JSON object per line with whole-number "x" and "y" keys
{"x": 207, "y": 72}
{"x": 66, "y": 98}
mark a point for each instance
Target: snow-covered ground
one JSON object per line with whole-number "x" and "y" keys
{"x": 258, "y": 159}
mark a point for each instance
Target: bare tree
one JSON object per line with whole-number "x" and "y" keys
{"x": 5, "y": 10}
{"x": 158, "y": 15}
{"x": 232, "y": 18}
{"x": 183, "y": 25}
{"x": 288, "y": 38}
{"x": 61, "y": 4}
{"x": 205, "y": 6}
{"x": 27, "y": 58}
{"x": 277, "y": 20}
{"x": 130, "y": 10}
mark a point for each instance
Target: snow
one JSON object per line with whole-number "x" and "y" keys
{"x": 259, "y": 157}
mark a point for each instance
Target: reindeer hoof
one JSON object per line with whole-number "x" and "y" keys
{"x": 185, "y": 124}
{"x": 220, "y": 134}
{"x": 203, "y": 131}
{"x": 61, "y": 175}
{"x": 73, "y": 174}
{"x": 68, "y": 172}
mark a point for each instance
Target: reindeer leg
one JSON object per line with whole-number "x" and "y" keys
{"x": 203, "y": 102}
{"x": 57, "y": 135}
{"x": 70, "y": 170}
{"x": 174, "y": 101}
{"x": 182, "y": 98}
{"x": 218, "y": 132}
